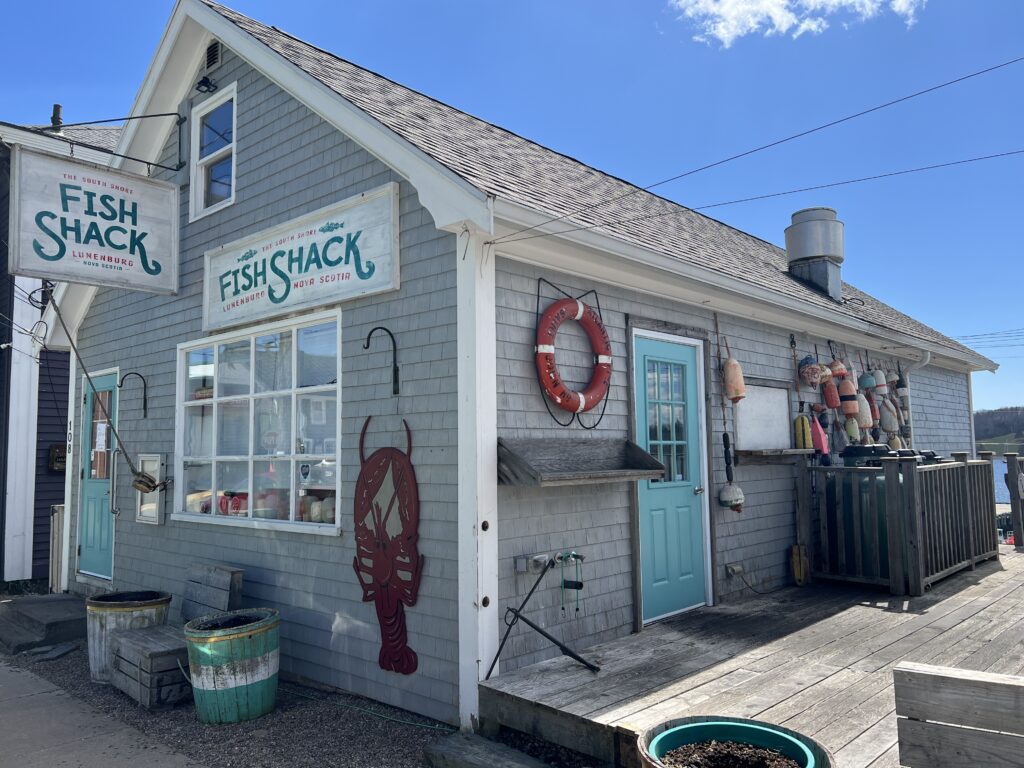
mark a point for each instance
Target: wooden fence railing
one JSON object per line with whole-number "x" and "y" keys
{"x": 901, "y": 525}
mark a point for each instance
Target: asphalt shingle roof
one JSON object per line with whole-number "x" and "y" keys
{"x": 520, "y": 171}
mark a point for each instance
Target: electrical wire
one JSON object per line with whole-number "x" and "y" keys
{"x": 845, "y": 182}
{"x": 761, "y": 148}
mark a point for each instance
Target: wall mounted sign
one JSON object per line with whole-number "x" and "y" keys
{"x": 81, "y": 223}
{"x": 387, "y": 562}
{"x": 340, "y": 252}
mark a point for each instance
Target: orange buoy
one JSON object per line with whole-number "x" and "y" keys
{"x": 732, "y": 378}
{"x": 838, "y": 369}
{"x": 848, "y": 397}
{"x": 831, "y": 394}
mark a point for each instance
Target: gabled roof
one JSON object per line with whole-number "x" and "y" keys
{"x": 100, "y": 136}
{"x": 509, "y": 167}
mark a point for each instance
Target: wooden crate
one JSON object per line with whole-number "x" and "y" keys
{"x": 147, "y": 665}
{"x": 211, "y": 589}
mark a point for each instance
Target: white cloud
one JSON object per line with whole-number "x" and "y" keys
{"x": 729, "y": 20}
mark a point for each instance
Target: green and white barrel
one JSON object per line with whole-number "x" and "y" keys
{"x": 233, "y": 660}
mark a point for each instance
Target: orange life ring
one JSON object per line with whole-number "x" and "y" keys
{"x": 547, "y": 370}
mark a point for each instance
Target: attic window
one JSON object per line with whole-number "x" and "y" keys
{"x": 213, "y": 54}
{"x": 213, "y": 153}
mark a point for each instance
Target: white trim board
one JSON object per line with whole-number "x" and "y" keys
{"x": 19, "y": 521}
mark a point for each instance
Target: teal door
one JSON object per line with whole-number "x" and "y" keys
{"x": 96, "y": 521}
{"x": 672, "y": 534}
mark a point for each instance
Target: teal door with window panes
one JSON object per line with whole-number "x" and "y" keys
{"x": 96, "y": 521}
{"x": 671, "y": 510}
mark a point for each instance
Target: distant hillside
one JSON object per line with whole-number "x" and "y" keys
{"x": 1002, "y": 425}
{"x": 1000, "y": 444}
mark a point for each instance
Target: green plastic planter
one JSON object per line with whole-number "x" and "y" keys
{"x": 658, "y": 741}
{"x": 233, "y": 660}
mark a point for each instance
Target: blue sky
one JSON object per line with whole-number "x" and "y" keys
{"x": 625, "y": 87}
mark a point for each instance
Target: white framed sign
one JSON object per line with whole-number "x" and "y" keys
{"x": 763, "y": 420}
{"x": 345, "y": 250}
{"x": 77, "y": 222}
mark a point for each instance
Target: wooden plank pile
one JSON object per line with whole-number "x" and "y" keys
{"x": 211, "y": 589}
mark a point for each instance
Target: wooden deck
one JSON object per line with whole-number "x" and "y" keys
{"x": 818, "y": 660}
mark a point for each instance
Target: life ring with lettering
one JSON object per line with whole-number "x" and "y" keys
{"x": 547, "y": 369}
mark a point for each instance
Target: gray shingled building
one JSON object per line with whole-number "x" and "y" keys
{"x": 257, "y": 407}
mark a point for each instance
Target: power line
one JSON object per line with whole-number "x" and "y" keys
{"x": 991, "y": 333}
{"x": 771, "y": 195}
{"x": 761, "y": 148}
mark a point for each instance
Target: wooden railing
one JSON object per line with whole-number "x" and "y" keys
{"x": 901, "y": 525}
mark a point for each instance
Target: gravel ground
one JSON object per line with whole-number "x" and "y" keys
{"x": 545, "y": 751}
{"x": 309, "y": 728}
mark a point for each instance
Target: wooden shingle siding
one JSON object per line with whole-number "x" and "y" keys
{"x": 290, "y": 162}
{"x": 596, "y": 520}
{"x": 50, "y": 430}
{"x": 942, "y": 421}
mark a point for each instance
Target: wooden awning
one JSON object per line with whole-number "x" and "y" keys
{"x": 568, "y": 461}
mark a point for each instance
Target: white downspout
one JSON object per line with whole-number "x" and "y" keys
{"x": 926, "y": 357}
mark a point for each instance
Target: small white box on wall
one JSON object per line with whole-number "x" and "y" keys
{"x": 149, "y": 507}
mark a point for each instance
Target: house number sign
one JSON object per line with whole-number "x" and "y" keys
{"x": 339, "y": 252}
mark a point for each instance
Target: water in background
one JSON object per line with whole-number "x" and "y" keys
{"x": 1002, "y": 492}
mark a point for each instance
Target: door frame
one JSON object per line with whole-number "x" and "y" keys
{"x": 82, "y": 444}
{"x": 679, "y": 336}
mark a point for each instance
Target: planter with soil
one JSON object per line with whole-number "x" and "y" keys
{"x": 728, "y": 742}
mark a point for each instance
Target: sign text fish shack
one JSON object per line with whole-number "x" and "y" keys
{"x": 80, "y": 223}
{"x": 340, "y": 252}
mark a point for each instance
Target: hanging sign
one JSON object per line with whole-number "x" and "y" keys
{"x": 81, "y": 223}
{"x": 340, "y": 252}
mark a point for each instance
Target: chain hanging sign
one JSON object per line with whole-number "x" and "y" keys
{"x": 81, "y": 223}
{"x": 340, "y": 252}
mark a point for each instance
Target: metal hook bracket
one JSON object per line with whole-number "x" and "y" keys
{"x": 145, "y": 394}
{"x": 394, "y": 355}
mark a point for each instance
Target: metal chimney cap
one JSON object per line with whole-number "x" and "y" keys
{"x": 820, "y": 213}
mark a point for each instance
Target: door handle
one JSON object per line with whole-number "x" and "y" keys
{"x": 698, "y": 490}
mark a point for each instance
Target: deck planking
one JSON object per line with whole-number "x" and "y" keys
{"x": 817, "y": 659}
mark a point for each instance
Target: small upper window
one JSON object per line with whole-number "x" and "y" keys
{"x": 213, "y": 153}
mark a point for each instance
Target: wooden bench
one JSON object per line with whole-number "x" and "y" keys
{"x": 958, "y": 718}
{"x": 147, "y": 663}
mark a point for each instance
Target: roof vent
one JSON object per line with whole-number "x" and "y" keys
{"x": 213, "y": 54}
{"x": 814, "y": 245}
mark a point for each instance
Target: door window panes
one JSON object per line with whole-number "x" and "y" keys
{"x": 101, "y": 453}
{"x": 666, "y": 418}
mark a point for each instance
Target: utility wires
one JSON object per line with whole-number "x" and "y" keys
{"x": 755, "y": 150}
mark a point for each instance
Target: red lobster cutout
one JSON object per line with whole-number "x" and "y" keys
{"x": 387, "y": 562}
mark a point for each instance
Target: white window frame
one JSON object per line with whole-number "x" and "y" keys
{"x": 179, "y": 513}
{"x": 197, "y": 177}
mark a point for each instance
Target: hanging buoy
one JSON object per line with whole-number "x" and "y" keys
{"x": 732, "y": 378}
{"x": 810, "y": 373}
{"x": 866, "y": 381}
{"x": 825, "y": 374}
{"x": 830, "y": 392}
{"x": 864, "y": 420}
{"x": 853, "y": 430}
{"x": 848, "y": 397}
{"x": 851, "y": 371}
{"x": 838, "y": 369}
{"x": 873, "y": 405}
{"x": 731, "y": 495}
{"x": 839, "y": 437}
{"x": 896, "y": 443}
{"x": 881, "y": 384}
{"x": 802, "y": 432}
{"x": 888, "y": 418}
{"x": 819, "y": 440}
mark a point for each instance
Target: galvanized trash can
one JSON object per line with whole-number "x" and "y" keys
{"x": 119, "y": 610}
{"x": 233, "y": 660}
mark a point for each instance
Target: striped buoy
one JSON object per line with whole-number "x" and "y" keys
{"x": 838, "y": 369}
{"x": 848, "y": 397}
{"x": 881, "y": 384}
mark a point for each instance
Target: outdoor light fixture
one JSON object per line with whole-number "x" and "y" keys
{"x": 206, "y": 85}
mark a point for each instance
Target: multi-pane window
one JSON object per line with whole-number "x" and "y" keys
{"x": 213, "y": 152}
{"x": 258, "y": 425}
{"x": 666, "y": 417}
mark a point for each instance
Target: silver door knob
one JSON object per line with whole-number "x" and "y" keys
{"x": 698, "y": 490}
